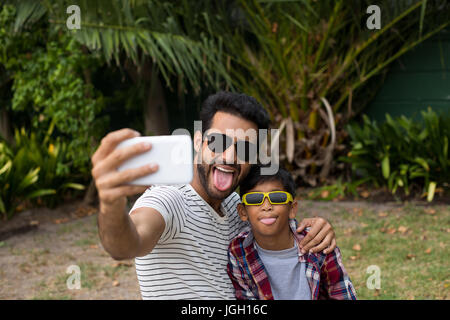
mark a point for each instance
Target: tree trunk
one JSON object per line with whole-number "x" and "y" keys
{"x": 155, "y": 109}
{"x": 90, "y": 197}
{"x": 155, "y": 113}
{"x": 5, "y": 127}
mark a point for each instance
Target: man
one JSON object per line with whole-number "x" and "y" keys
{"x": 179, "y": 235}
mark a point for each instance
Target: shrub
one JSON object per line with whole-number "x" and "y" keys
{"x": 402, "y": 153}
{"x": 33, "y": 169}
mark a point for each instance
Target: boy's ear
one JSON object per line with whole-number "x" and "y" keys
{"x": 293, "y": 212}
{"x": 242, "y": 212}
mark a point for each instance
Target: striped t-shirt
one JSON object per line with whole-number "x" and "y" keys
{"x": 190, "y": 259}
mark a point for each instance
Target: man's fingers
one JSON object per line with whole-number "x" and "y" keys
{"x": 117, "y": 157}
{"x": 317, "y": 239}
{"x": 331, "y": 247}
{"x": 315, "y": 228}
{"x": 324, "y": 244}
{"x": 110, "y": 142}
{"x": 302, "y": 226}
{"x": 116, "y": 178}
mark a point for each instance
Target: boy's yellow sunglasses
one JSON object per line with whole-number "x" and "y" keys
{"x": 275, "y": 197}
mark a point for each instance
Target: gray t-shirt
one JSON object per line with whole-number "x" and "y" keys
{"x": 287, "y": 275}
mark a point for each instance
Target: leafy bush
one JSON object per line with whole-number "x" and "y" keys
{"x": 33, "y": 169}
{"x": 51, "y": 85}
{"x": 402, "y": 153}
{"x": 313, "y": 66}
{"x": 16, "y": 180}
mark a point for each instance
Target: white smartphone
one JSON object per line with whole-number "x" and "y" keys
{"x": 173, "y": 155}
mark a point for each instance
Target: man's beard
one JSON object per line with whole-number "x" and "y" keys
{"x": 204, "y": 171}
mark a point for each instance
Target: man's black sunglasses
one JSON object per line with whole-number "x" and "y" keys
{"x": 246, "y": 151}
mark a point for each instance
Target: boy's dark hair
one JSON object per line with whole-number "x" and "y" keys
{"x": 255, "y": 177}
{"x": 238, "y": 104}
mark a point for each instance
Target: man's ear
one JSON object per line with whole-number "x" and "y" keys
{"x": 242, "y": 212}
{"x": 198, "y": 139}
{"x": 294, "y": 208}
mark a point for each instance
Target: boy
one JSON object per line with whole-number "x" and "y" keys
{"x": 266, "y": 262}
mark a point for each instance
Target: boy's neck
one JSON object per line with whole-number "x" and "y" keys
{"x": 275, "y": 243}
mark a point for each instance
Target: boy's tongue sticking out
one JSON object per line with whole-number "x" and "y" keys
{"x": 268, "y": 221}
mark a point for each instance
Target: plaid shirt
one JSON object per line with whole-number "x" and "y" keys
{"x": 325, "y": 273}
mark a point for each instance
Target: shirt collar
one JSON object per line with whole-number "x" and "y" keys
{"x": 211, "y": 210}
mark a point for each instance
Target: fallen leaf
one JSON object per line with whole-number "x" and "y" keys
{"x": 382, "y": 214}
{"x": 442, "y": 245}
{"x": 365, "y": 194}
{"x": 439, "y": 190}
{"x": 352, "y": 257}
{"x": 59, "y": 221}
{"x": 428, "y": 250}
{"x": 430, "y": 211}
{"x": 85, "y": 211}
{"x": 402, "y": 229}
{"x": 324, "y": 194}
{"x": 34, "y": 223}
{"x": 410, "y": 256}
{"x": 364, "y": 224}
{"x": 115, "y": 283}
{"x": 93, "y": 246}
{"x": 391, "y": 230}
{"x": 348, "y": 231}
{"x": 356, "y": 247}
{"x": 25, "y": 269}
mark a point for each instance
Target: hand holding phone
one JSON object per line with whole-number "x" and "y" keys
{"x": 173, "y": 154}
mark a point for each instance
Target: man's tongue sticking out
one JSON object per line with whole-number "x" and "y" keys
{"x": 222, "y": 180}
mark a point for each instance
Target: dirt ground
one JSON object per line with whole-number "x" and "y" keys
{"x": 34, "y": 264}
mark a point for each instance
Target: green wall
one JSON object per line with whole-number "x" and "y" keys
{"x": 419, "y": 79}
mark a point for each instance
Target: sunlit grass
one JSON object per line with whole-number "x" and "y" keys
{"x": 408, "y": 244}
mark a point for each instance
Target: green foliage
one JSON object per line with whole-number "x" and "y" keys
{"x": 401, "y": 152}
{"x": 311, "y": 64}
{"x": 337, "y": 190}
{"x": 174, "y": 34}
{"x": 16, "y": 183}
{"x": 31, "y": 169}
{"x": 51, "y": 85}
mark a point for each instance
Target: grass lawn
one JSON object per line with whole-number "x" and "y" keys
{"x": 408, "y": 243}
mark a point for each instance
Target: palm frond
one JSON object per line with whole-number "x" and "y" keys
{"x": 174, "y": 41}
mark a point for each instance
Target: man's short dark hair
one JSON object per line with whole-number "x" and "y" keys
{"x": 238, "y": 104}
{"x": 255, "y": 177}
